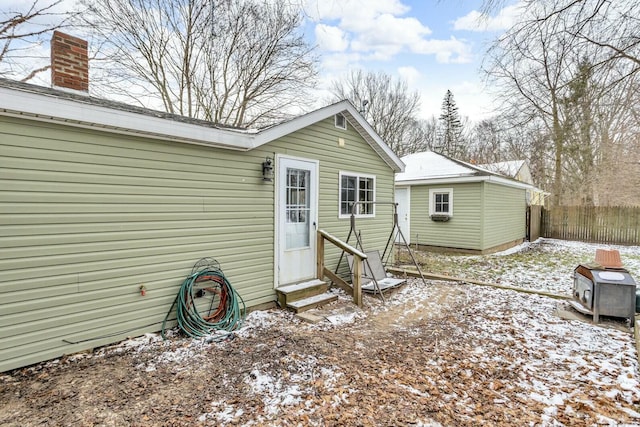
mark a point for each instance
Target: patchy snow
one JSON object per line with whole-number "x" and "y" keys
{"x": 262, "y": 319}
{"x": 514, "y": 250}
{"x": 544, "y": 265}
{"x": 343, "y": 318}
{"x": 523, "y": 350}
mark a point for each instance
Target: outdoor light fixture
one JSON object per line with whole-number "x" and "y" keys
{"x": 267, "y": 170}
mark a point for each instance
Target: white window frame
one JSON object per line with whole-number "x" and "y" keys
{"x": 344, "y": 121}
{"x": 358, "y": 176}
{"x": 432, "y": 201}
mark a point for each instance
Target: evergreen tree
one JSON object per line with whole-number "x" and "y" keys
{"x": 450, "y": 132}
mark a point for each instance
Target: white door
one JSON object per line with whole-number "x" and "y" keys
{"x": 297, "y": 218}
{"x": 403, "y": 200}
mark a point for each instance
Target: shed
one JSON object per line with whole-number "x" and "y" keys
{"x": 98, "y": 198}
{"x": 447, "y": 203}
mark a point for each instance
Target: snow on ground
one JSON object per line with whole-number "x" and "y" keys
{"x": 541, "y": 346}
{"x": 555, "y": 363}
{"x": 544, "y": 265}
{"x": 551, "y": 355}
{"x": 550, "y": 265}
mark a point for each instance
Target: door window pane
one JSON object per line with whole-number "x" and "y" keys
{"x": 297, "y": 233}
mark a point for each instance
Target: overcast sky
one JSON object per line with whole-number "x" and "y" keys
{"x": 434, "y": 44}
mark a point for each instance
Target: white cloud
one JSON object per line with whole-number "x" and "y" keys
{"x": 470, "y": 96}
{"x": 476, "y": 21}
{"x": 340, "y": 62}
{"x": 378, "y": 31}
{"x": 386, "y": 36}
{"x": 352, "y": 12}
{"x": 410, "y": 74}
{"x": 330, "y": 38}
{"x": 446, "y": 51}
{"x": 389, "y": 30}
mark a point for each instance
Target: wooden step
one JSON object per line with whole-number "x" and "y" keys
{"x": 290, "y": 293}
{"x": 314, "y": 301}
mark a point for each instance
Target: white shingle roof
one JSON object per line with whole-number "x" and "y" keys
{"x": 430, "y": 165}
{"x": 433, "y": 168}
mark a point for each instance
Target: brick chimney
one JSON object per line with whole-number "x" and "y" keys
{"x": 69, "y": 62}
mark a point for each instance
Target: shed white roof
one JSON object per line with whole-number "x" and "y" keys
{"x": 429, "y": 167}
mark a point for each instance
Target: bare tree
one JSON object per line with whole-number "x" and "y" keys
{"x": 422, "y": 136}
{"x": 615, "y": 136}
{"x": 22, "y": 31}
{"x": 237, "y": 63}
{"x": 486, "y": 142}
{"x": 386, "y": 103}
{"x": 531, "y": 65}
{"x": 572, "y": 67}
{"x": 612, "y": 26}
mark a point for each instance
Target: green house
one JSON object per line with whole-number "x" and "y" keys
{"x": 98, "y": 199}
{"x": 446, "y": 203}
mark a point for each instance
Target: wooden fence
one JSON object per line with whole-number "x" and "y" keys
{"x": 534, "y": 222}
{"x": 610, "y": 224}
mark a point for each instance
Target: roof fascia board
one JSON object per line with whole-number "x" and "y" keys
{"x": 49, "y": 108}
{"x": 465, "y": 179}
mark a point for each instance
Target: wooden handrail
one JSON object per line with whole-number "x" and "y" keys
{"x": 358, "y": 257}
{"x": 342, "y": 245}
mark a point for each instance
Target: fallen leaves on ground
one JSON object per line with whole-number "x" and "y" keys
{"x": 435, "y": 354}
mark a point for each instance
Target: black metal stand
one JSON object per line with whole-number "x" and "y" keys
{"x": 393, "y": 237}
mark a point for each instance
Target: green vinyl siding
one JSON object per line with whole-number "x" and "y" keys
{"x": 485, "y": 215}
{"x": 320, "y": 142}
{"x": 463, "y": 230}
{"x": 87, "y": 217}
{"x": 504, "y": 214}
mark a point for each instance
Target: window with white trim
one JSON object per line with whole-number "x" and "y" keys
{"x": 341, "y": 121}
{"x": 357, "y": 188}
{"x": 441, "y": 202}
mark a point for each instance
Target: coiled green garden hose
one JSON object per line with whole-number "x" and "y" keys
{"x": 227, "y": 315}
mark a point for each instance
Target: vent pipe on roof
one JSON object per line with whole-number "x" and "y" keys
{"x": 69, "y": 62}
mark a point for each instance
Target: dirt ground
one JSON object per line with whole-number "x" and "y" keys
{"x": 400, "y": 363}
